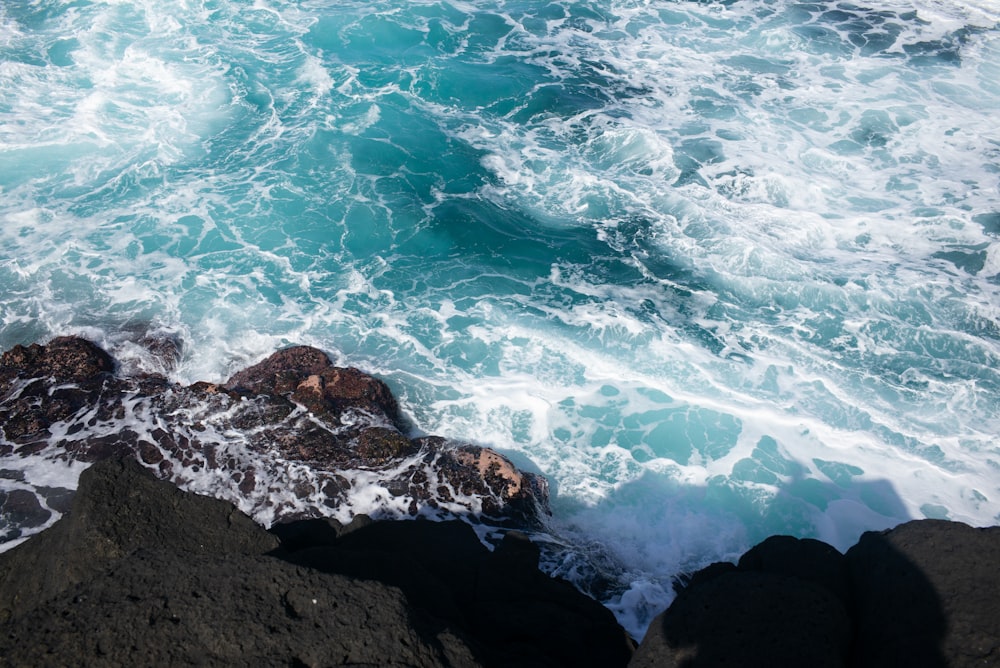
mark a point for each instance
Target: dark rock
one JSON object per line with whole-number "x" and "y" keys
{"x": 58, "y": 499}
{"x": 697, "y": 578}
{"x": 805, "y": 558}
{"x": 64, "y": 396}
{"x": 312, "y": 532}
{"x": 517, "y": 548}
{"x": 141, "y": 573}
{"x": 154, "y": 609}
{"x": 509, "y": 612}
{"x": 749, "y": 619}
{"x": 928, "y": 594}
{"x": 924, "y": 594}
{"x": 19, "y": 506}
{"x": 20, "y": 510}
{"x": 119, "y": 508}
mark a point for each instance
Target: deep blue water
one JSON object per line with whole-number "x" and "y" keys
{"x": 717, "y": 269}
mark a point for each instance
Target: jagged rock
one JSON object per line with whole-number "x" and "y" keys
{"x": 306, "y": 375}
{"x": 281, "y": 372}
{"x": 164, "y": 349}
{"x": 65, "y": 358}
{"x": 925, "y": 594}
{"x": 42, "y": 385}
{"x": 295, "y": 406}
{"x": 141, "y": 573}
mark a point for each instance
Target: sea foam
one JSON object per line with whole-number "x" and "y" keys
{"x": 717, "y": 270}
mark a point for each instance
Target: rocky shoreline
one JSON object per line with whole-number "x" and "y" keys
{"x": 139, "y": 572}
{"x": 290, "y": 437}
{"x": 142, "y": 573}
{"x": 926, "y": 593}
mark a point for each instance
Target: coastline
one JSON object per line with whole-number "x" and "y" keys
{"x": 140, "y": 572}
{"x": 291, "y": 437}
{"x": 461, "y": 601}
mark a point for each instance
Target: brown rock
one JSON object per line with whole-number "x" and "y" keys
{"x": 377, "y": 446}
{"x": 70, "y": 373}
{"x": 351, "y": 422}
{"x": 66, "y": 358}
{"x": 281, "y": 372}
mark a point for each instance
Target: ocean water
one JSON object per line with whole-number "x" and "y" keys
{"x": 718, "y": 270}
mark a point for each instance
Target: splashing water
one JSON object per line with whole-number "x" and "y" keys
{"x": 718, "y": 270}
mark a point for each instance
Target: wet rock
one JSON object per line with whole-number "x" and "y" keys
{"x": 294, "y": 421}
{"x": 379, "y": 446}
{"x": 65, "y": 358}
{"x": 282, "y": 372}
{"x": 19, "y": 510}
{"x": 56, "y": 498}
{"x": 306, "y": 376}
{"x": 164, "y": 348}
{"x": 21, "y": 507}
{"x": 486, "y": 475}
{"x": 42, "y": 385}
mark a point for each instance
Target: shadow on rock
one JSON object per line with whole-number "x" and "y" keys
{"x": 139, "y": 572}
{"x": 925, "y": 594}
{"x": 506, "y": 609}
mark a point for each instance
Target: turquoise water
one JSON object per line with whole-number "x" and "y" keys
{"x": 717, "y": 269}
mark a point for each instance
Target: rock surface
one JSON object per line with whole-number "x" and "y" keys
{"x": 338, "y": 427}
{"x": 925, "y": 594}
{"x": 512, "y": 613}
{"x": 141, "y": 573}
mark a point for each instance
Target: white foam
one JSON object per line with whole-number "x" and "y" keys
{"x": 31, "y": 474}
{"x": 767, "y": 210}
